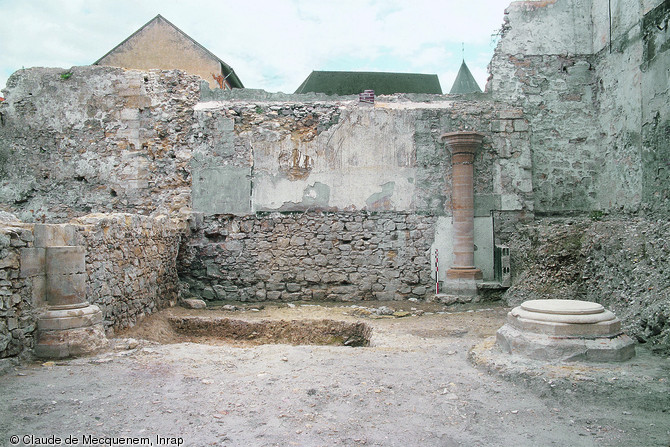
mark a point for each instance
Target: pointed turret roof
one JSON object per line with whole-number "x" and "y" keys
{"x": 465, "y": 82}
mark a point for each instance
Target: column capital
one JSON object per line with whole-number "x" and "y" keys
{"x": 462, "y": 141}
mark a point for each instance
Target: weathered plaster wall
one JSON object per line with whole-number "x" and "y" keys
{"x": 336, "y": 154}
{"x": 130, "y": 266}
{"x": 97, "y": 139}
{"x": 632, "y": 60}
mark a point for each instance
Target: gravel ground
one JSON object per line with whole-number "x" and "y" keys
{"x": 419, "y": 383}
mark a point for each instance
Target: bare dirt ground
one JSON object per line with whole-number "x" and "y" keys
{"x": 419, "y": 383}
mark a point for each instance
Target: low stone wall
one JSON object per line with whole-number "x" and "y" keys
{"x": 17, "y": 307}
{"x": 309, "y": 256}
{"x": 130, "y": 267}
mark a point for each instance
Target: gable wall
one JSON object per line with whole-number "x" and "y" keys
{"x": 160, "y": 46}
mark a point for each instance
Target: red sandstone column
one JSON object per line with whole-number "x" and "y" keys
{"x": 463, "y": 146}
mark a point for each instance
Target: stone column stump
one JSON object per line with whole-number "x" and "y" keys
{"x": 70, "y": 326}
{"x": 564, "y": 331}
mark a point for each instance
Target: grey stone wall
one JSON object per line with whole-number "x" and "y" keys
{"x": 17, "y": 305}
{"x": 95, "y": 139}
{"x": 130, "y": 266}
{"x": 552, "y": 80}
{"x": 595, "y": 96}
{"x": 309, "y": 256}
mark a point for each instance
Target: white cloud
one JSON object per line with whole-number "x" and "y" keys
{"x": 271, "y": 44}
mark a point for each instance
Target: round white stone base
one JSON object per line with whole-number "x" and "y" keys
{"x": 564, "y": 330}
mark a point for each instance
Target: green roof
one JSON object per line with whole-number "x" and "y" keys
{"x": 465, "y": 82}
{"x": 355, "y": 82}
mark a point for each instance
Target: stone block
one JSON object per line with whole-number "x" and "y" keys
{"x": 275, "y": 286}
{"x": 27, "y": 236}
{"x": 39, "y": 290}
{"x": 62, "y": 290}
{"x": 420, "y": 290}
{"x": 11, "y": 261}
{"x": 65, "y": 260}
{"x": 54, "y": 235}
{"x": 293, "y": 287}
{"x": 297, "y": 240}
{"x": 193, "y": 303}
{"x": 220, "y": 291}
{"x": 565, "y": 349}
{"x": 273, "y": 295}
{"x": 222, "y": 189}
{"x": 497, "y": 126}
{"x": 69, "y": 318}
{"x": 32, "y": 262}
{"x": 71, "y": 342}
{"x": 384, "y": 296}
{"x": 521, "y": 126}
{"x": 510, "y": 114}
{"x": 319, "y": 295}
{"x": 129, "y": 114}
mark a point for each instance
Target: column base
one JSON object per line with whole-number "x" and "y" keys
{"x": 70, "y": 332}
{"x": 457, "y": 273}
{"x": 460, "y": 288}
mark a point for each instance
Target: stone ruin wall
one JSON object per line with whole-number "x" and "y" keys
{"x": 258, "y": 172}
{"x": 113, "y": 140}
{"x": 130, "y": 267}
{"x": 564, "y": 136}
{"x": 595, "y": 98}
{"x": 18, "y": 321}
{"x": 98, "y": 141}
{"x": 600, "y": 140}
{"x": 320, "y": 256}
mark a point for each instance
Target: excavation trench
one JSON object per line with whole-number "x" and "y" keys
{"x": 294, "y": 332}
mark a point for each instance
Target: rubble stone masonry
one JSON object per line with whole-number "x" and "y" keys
{"x": 130, "y": 271}
{"x": 315, "y": 197}
{"x": 309, "y": 256}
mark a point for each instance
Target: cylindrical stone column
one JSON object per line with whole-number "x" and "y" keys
{"x": 70, "y": 326}
{"x": 463, "y": 146}
{"x": 66, "y": 277}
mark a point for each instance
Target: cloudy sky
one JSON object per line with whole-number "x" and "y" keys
{"x": 271, "y": 44}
